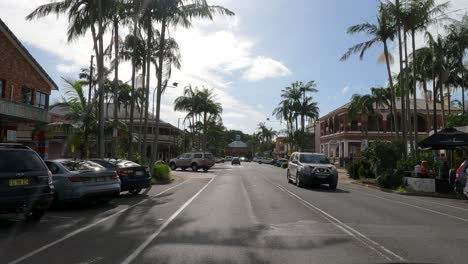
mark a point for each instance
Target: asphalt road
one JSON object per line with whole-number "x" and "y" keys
{"x": 245, "y": 214}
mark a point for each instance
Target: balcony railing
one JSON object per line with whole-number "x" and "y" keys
{"x": 23, "y": 111}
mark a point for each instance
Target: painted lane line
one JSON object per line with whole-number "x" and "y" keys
{"x": 80, "y": 230}
{"x": 416, "y": 199}
{"x": 371, "y": 244}
{"x": 415, "y": 206}
{"x": 356, "y": 234}
{"x": 153, "y": 236}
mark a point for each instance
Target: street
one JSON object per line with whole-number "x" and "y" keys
{"x": 245, "y": 214}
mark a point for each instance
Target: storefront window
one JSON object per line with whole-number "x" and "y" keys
{"x": 41, "y": 100}
{"x": 27, "y": 95}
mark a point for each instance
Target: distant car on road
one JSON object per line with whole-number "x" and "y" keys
{"x": 219, "y": 160}
{"x": 25, "y": 182}
{"x": 235, "y": 160}
{"x": 83, "y": 180}
{"x": 195, "y": 160}
{"x": 228, "y": 158}
{"x": 311, "y": 168}
{"x": 133, "y": 176}
{"x": 264, "y": 161}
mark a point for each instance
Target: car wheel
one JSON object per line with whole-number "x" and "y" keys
{"x": 34, "y": 215}
{"x": 333, "y": 186}
{"x": 205, "y": 169}
{"x": 173, "y": 166}
{"x": 135, "y": 191}
{"x": 194, "y": 167}
{"x": 288, "y": 175}
{"x": 298, "y": 181}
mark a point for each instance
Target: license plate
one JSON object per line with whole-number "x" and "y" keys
{"x": 101, "y": 179}
{"x": 18, "y": 182}
{"x": 139, "y": 173}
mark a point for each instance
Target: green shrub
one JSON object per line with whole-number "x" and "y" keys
{"x": 360, "y": 169}
{"x": 390, "y": 180}
{"x": 162, "y": 173}
{"x": 284, "y": 165}
{"x": 383, "y": 156}
{"x": 353, "y": 168}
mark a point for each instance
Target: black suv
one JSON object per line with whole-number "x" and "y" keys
{"x": 25, "y": 182}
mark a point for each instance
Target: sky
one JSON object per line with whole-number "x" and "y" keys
{"x": 246, "y": 59}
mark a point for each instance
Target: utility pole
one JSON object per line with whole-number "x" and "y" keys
{"x": 90, "y": 79}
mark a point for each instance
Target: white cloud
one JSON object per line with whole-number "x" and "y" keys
{"x": 345, "y": 90}
{"x": 66, "y": 68}
{"x": 263, "y": 68}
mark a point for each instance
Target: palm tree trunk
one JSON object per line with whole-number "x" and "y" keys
{"x": 434, "y": 111}
{"x": 162, "y": 43}
{"x": 205, "y": 130}
{"x": 132, "y": 94}
{"x": 100, "y": 60}
{"x": 116, "y": 83}
{"x": 427, "y": 105}
{"x": 148, "y": 71}
{"x": 447, "y": 85}
{"x": 462, "y": 82}
{"x": 442, "y": 100}
{"x": 409, "y": 126}
{"x": 415, "y": 110}
{"x": 392, "y": 89}
{"x": 402, "y": 89}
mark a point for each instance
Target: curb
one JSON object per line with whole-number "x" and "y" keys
{"x": 420, "y": 194}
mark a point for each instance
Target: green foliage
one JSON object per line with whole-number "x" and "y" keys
{"x": 383, "y": 156}
{"x": 162, "y": 173}
{"x": 360, "y": 168}
{"x": 284, "y": 165}
{"x": 390, "y": 180}
{"x": 457, "y": 120}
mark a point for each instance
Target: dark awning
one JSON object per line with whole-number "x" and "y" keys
{"x": 448, "y": 138}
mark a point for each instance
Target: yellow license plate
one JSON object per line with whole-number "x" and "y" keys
{"x": 18, "y": 182}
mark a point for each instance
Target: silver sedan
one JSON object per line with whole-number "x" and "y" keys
{"x": 76, "y": 180}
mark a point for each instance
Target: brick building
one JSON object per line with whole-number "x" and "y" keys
{"x": 25, "y": 88}
{"x": 237, "y": 148}
{"x": 341, "y": 137}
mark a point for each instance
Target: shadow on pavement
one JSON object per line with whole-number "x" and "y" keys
{"x": 325, "y": 188}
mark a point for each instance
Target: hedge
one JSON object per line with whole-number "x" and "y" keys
{"x": 162, "y": 173}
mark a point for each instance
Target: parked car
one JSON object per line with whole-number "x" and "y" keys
{"x": 228, "y": 158}
{"x": 196, "y": 160}
{"x": 255, "y": 159}
{"x": 273, "y": 161}
{"x": 82, "y": 180}
{"x": 133, "y": 176}
{"x": 235, "y": 160}
{"x": 311, "y": 168}
{"x": 279, "y": 162}
{"x": 459, "y": 183}
{"x": 264, "y": 161}
{"x": 25, "y": 182}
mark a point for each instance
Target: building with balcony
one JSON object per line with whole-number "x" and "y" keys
{"x": 25, "y": 88}
{"x": 237, "y": 148}
{"x": 342, "y": 137}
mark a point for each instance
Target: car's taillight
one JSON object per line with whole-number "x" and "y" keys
{"x": 459, "y": 170}
{"x": 122, "y": 172}
{"x": 115, "y": 177}
{"x": 78, "y": 179}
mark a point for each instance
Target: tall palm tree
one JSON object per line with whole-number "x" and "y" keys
{"x": 208, "y": 108}
{"x": 176, "y": 13}
{"x": 382, "y": 32}
{"x": 382, "y": 99}
{"x": 361, "y": 106}
{"x": 82, "y": 16}
{"x": 307, "y": 109}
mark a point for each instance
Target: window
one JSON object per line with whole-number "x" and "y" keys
{"x": 54, "y": 169}
{"x": 72, "y": 165}
{"x": 2, "y": 88}
{"x": 27, "y": 95}
{"x": 41, "y": 100}
{"x": 20, "y": 161}
{"x": 312, "y": 158}
{"x": 197, "y": 156}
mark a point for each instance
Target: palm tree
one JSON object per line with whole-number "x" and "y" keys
{"x": 188, "y": 102}
{"x": 382, "y": 32}
{"x": 82, "y": 16}
{"x": 307, "y": 109}
{"x": 361, "y": 106}
{"x": 83, "y": 121}
{"x": 173, "y": 14}
{"x": 208, "y": 108}
{"x": 382, "y": 99}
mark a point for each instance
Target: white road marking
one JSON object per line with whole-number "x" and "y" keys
{"x": 371, "y": 244}
{"x": 76, "y": 232}
{"x": 416, "y": 199}
{"x": 415, "y": 206}
{"x": 140, "y": 249}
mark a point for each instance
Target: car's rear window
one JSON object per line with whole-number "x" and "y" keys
{"x": 313, "y": 158}
{"x": 20, "y": 161}
{"x": 126, "y": 164}
{"x": 197, "y": 156}
{"x": 73, "y": 165}
{"x": 208, "y": 156}
{"x": 105, "y": 164}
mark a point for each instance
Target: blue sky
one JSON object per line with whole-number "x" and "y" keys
{"x": 247, "y": 59}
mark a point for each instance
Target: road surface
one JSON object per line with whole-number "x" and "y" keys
{"x": 245, "y": 214}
